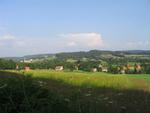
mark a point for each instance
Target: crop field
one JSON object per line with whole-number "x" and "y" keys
{"x": 45, "y": 91}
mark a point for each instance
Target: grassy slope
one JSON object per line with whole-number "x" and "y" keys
{"x": 81, "y": 92}
{"x": 88, "y": 79}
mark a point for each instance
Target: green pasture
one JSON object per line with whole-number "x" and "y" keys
{"x": 98, "y": 79}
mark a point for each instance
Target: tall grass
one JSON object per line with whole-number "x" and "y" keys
{"x": 84, "y": 79}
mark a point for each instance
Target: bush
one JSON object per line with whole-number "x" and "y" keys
{"x": 24, "y": 95}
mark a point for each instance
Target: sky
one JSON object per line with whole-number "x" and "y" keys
{"x": 52, "y": 26}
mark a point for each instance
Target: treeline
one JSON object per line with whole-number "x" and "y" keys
{"x": 112, "y": 65}
{"x": 7, "y": 64}
{"x": 51, "y": 64}
{"x": 145, "y": 69}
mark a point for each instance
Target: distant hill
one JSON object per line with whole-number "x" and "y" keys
{"x": 92, "y": 54}
{"x": 37, "y": 56}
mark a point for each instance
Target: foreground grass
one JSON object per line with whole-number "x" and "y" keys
{"x": 44, "y": 91}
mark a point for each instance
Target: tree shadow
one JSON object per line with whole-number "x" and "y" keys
{"x": 101, "y": 99}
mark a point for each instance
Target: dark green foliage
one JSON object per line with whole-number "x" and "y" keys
{"x": 7, "y": 64}
{"x": 24, "y": 95}
{"x": 113, "y": 69}
{"x": 88, "y": 65}
{"x": 84, "y": 60}
{"x": 146, "y": 68}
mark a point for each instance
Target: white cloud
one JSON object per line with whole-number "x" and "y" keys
{"x": 9, "y": 40}
{"x": 11, "y": 45}
{"x": 138, "y": 44}
{"x": 89, "y": 40}
{"x": 71, "y": 43}
{"x": 7, "y": 37}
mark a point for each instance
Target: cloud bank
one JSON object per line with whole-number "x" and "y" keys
{"x": 10, "y": 41}
{"x": 90, "y": 40}
{"x": 11, "y": 45}
{"x": 139, "y": 44}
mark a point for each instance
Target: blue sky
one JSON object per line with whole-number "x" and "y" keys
{"x": 50, "y": 26}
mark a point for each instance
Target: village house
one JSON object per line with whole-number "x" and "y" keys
{"x": 101, "y": 68}
{"x": 138, "y": 68}
{"x": 27, "y": 68}
{"x": 104, "y": 69}
{"x": 94, "y": 69}
{"x": 122, "y": 69}
{"x": 129, "y": 69}
{"x": 27, "y": 61}
{"x": 59, "y": 68}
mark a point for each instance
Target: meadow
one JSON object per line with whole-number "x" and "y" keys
{"x": 97, "y": 79}
{"x": 47, "y": 91}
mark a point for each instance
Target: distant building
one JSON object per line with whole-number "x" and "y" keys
{"x": 128, "y": 67}
{"x": 94, "y": 69}
{"x": 122, "y": 71}
{"x": 27, "y": 68}
{"x": 138, "y": 68}
{"x": 59, "y": 68}
{"x": 27, "y": 61}
{"x": 104, "y": 69}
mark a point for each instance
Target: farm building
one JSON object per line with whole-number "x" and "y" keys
{"x": 122, "y": 71}
{"x": 27, "y": 61}
{"x": 59, "y": 68}
{"x": 104, "y": 69}
{"x": 138, "y": 68}
{"x": 94, "y": 69}
{"x": 27, "y": 68}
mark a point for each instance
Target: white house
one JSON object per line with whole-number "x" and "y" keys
{"x": 27, "y": 61}
{"x": 94, "y": 69}
{"x": 59, "y": 68}
{"x": 104, "y": 69}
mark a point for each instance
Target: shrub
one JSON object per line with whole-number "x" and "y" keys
{"x": 24, "y": 95}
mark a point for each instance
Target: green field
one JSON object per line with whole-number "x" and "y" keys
{"x": 90, "y": 79}
{"x": 45, "y": 91}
